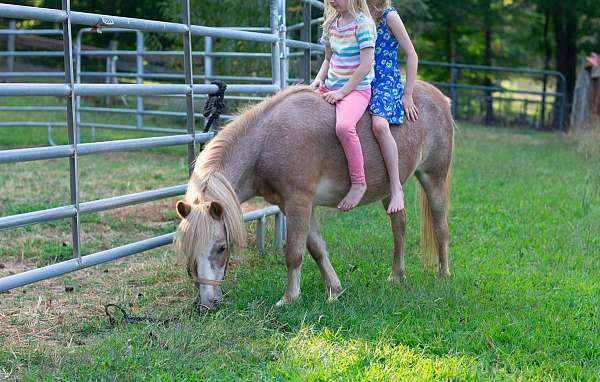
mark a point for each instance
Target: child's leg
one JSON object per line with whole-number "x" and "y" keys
{"x": 389, "y": 150}
{"x": 348, "y": 112}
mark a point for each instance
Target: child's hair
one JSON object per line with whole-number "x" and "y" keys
{"x": 376, "y": 7}
{"x": 354, "y": 7}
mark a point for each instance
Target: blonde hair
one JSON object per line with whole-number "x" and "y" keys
{"x": 355, "y": 7}
{"x": 376, "y": 7}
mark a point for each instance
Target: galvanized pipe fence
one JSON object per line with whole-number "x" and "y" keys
{"x": 72, "y": 89}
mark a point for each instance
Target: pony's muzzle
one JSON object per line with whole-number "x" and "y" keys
{"x": 204, "y": 304}
{"x": 205, "y": 308}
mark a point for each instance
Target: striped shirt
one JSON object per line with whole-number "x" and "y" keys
{"x": 346, "y": 43}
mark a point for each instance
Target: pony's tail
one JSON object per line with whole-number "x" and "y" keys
{"x": 429, "y": 242}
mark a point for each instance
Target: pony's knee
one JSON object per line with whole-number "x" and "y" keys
{"x": 294, "y": 260}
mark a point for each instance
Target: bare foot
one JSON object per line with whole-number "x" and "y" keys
{"x": 396, "y": 202}
{"x": 353, "y": 197}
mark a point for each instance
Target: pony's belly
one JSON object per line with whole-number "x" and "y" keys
{"x": 328, "y": 192}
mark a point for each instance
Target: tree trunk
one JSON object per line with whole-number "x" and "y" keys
{"x": 566, "y": 57}
{"x": 547, "y": 55}
{"x": 451, "y": 42}
{"x": 489, "y": 104}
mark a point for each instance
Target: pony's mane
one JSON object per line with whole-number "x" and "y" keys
{"x": 211, "y": 158}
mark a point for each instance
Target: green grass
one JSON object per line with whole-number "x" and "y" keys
{"x": 523, "y": 302}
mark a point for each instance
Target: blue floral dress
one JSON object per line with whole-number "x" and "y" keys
{"x": 387, "y": 88}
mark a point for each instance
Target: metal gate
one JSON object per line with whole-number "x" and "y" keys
{"x": 72, "y": 90}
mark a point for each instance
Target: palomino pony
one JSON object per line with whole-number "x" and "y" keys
{"x": 285, "y": 149}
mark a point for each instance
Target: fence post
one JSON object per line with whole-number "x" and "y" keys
{"x": 77, "y": 52}
{"x": 10, "y": 47}
{"x": 274, "y": 23}
{"x": 139, "y": 42}
{"x": 261, "y": 232}
{"x": 561, "y": 112}
{"x": 208, "y": 60}
{"x": 283, "y": 52}
{"x": 278, "y": 231}
{"x": 189, "y": 80}
{"x": 305, "y": 72}
{"x": 72, "y": 131}
{"x": 111, "y": 68}
{"x": 453, "y": 92}
{"x": 543, "y": 111}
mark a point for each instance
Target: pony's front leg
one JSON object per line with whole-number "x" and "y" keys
{"x": 298, "y": 221}
{"x": 318, "y": 250}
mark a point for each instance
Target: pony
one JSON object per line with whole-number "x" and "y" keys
{"x": 285, "y": 150}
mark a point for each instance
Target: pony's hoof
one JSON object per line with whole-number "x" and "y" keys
{"x": 281, "y": 303}
{"x": 395, "y": 279}
{"x": 285, "y": 301}
{"x": 444, "y": 275}
{"x": 334, "y": 293}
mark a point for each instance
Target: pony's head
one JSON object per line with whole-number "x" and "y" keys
{"x": 210, "y": 231}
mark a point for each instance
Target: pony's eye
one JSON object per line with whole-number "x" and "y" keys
{"x": 222, "y": 249}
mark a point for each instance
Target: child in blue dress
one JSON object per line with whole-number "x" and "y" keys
{"x": 391, "y": 100}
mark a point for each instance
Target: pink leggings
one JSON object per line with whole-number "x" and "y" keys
{"x": 348, "y": 112}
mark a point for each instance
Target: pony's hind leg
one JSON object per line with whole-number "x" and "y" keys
{"x": 437, "y": 191}
{"x": 318, "y": 250}
{"x": 298, "y": 222}
{"x": 398, "y": 222}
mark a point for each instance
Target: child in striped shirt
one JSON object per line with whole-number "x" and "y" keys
{"x": 345, "y": 77}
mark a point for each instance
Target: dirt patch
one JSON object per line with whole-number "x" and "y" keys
{"x": 56, "y": 311}
{"x": 11, "y": 266}
{"x": 155, "y": 211}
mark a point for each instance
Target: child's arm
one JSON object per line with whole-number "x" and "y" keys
{"x": 412, "y": 62}
{"x": 320, "y": 78}
{"x": 367, "y": 56}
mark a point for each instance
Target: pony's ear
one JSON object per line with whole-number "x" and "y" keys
{"x": 183, "y": 209}
{"x": 216, "y": 210}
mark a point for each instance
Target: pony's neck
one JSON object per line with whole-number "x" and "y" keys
{"x": 239, "y": 168}
{"x": 234, "y": 155}
{"x": 235, "y": 151}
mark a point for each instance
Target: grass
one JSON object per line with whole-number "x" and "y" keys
{"x": 523, "y": 302}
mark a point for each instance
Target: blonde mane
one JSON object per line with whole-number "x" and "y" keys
{"x": 197, "y": 228}
{"x": 208, "y": 184}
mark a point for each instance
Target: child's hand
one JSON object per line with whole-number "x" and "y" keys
{"x": 334, "y": 96}
{"x": 317, "y": 84}
{"x": 410, "y": 109}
